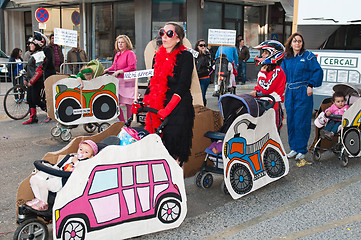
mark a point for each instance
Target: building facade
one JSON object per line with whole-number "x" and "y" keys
{"x": 98, "y": 23}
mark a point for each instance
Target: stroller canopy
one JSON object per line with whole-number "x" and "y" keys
{"x": 231, "y": 106}
{"x": 348, "y": 89}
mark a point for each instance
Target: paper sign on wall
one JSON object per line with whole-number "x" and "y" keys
{"x": 218, "y": 37}
{"x": 65, "y": 37}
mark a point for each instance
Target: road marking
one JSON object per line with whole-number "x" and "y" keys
{"x": 322, "y": 228}
{"x": 231, "y": 231}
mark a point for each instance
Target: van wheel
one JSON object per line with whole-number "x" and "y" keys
{"x": 74, "y": 230}
{"x": 32, "y": 229}
{"x": 169, "y": 211}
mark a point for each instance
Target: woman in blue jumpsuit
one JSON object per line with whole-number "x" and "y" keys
{"x": 303, "y": 72}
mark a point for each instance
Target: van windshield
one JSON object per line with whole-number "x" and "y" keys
{"x": 345, "y": 38}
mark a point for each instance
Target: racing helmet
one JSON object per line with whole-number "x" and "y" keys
{"x": 39, "y": 40}
{"x": 276, "y": 50}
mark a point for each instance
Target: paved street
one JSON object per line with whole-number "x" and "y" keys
{"x": 317, "y": 201}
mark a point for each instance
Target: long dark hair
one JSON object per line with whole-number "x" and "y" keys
{"x": 179, "y": 30}
{"x": 197, "y": 44}
{"x": 15, "y": 53}
{"x": 289, "y": 50}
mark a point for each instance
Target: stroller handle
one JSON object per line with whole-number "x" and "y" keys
{"x": 143, "y": 108}
{"x": 265, "y": 103}
{"x": 334, "y": 117}
{"x": 39, "y": 164}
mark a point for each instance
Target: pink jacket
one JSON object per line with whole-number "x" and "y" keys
{"x": 337, "y": 111}
{"x": 126, "y": 61}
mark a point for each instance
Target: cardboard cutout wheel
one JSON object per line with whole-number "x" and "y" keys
{"x": 273, "y": 162}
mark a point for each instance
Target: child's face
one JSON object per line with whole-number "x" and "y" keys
{"x": 85, "y": 151}
{"x": 88, "y": 76}
{"x": 339, "y": 102}
{"x": 265, "y": 53}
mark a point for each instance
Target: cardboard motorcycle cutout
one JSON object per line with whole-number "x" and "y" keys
{"x": 253, "y": 154}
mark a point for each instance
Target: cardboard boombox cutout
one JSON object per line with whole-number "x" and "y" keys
{"x": 253, "y": 154}
{"x": 96, "y": 102}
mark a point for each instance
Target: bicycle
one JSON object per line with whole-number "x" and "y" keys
{"x": 15, "y": 100}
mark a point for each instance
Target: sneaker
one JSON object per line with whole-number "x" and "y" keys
{"x": 329, "y": 135}
{"x": 292, "y": 154}
{"x": 300, "y": 156}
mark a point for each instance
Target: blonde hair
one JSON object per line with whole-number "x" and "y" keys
{"x": 127, "y": 42}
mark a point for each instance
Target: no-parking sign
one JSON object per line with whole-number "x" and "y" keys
{"x": 75, "y": 17}
{"x": 41, "y": 15}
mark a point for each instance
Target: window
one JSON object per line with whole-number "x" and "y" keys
{"x": 104, "y": 180}
{"x": 110, "y": 20}
{"x": 142, "y": 174}
{"x": 165, "y": 11}
{"x": 161, "y": 174}
{"x": 345, "y": 38}
{"x": 212, "y": 19}
{"x": 127, "y": 176}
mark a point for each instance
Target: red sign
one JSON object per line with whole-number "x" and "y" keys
{"x": 42, "y": 15}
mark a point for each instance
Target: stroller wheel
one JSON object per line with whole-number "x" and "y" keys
{"x": 32, "y": 229}
{"x": 224, "y": 188}
{"x": 103, "y": 126}
{"x": 316, "y": 155}
{"x": 65, "y": 135}
{"x": 207, "y": 180}
{"x": 344, "y": 159}
{"x": 90, "y": 127}
{"x": 55, "y": 131}
{"x": 198, "y": 178}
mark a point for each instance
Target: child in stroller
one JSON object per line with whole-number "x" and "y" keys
{"x": 337, "y": 108}
{"x": 343, "y": 137}
{"x": 74, "y": 105}
{"x": 41, "y": 183}
{"x": 271, "y": 79}
{"x": 231, "y": 107}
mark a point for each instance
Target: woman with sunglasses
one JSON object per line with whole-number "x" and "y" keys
{"x": 203, "y": 64}
{"x": 169, "y": 92}
{"x": 124, "y": 61}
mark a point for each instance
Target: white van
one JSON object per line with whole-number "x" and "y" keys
{"x": 334, "y": 35}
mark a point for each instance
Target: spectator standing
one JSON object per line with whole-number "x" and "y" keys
{"x": 124, "y": 61}
{"x": 243, "y": 56}
{"x": 57, "y": 54}
{"x": 76, "y": 55}
{"x": 303, "y": 73}
{"x": 203, "y": 65}
{"x": 15, "y": 65}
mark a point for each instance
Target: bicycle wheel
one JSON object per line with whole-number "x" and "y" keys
{"x": 15, "y": 104}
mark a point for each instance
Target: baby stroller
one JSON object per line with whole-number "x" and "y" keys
{"x": 346, "y": 143}
{"x": 251, "y": 148}
{"x": 224, "y": 75}
{"x": 92, "y": 106}
{"x": 119, "y": 193}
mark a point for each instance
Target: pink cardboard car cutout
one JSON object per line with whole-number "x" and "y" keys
{"x": 122, "y": 192}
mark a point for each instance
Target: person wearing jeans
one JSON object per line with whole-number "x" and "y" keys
{"x": 243, "y": 56}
